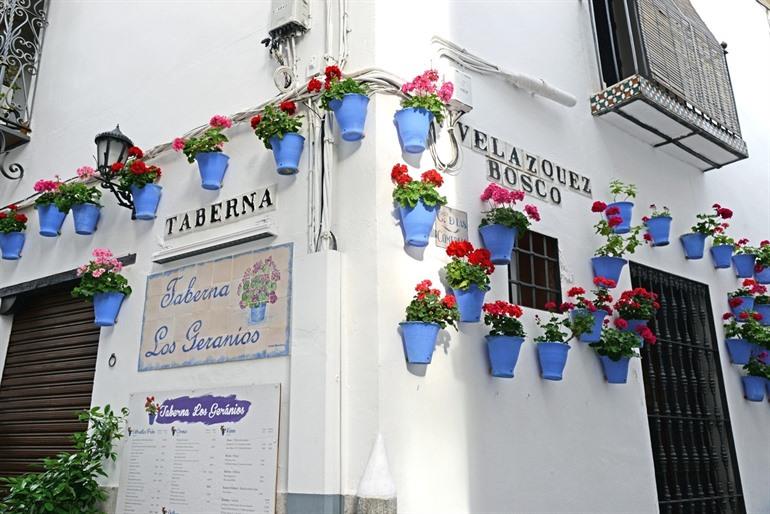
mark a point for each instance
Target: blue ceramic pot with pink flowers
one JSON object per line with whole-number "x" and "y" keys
{"x": 412, "y": 126}
{"x": 500, "y": 241}
{"x": 721, "y": 255}
{"x": 419, "y": 340}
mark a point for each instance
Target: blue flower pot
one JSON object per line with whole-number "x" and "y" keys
{"x": 51, "y": 219}
{"x": 553, "y": 358}
{"x": 146, "y": 200}
{"x": 257, "y": 314}
{"x": 417, "y": 223}
{"x": 763, "y": 277}
{"x": 106, "y": 308}
{"x": 608, "y": 267}
{"x": 351, "y": 115}
{"x": 740, "y": 350}
{"x": 746, "y": 305}
{"x": 693, "y": 245}
{"x": 500, "y": 241}
{"x": 287, "y": 152}
{"x": 212, "y": 166}
{"x": 767, "y": 386}
{"x": 469, "y": 303}
{"x": 633, "y": 324}
{"x": 596, "y": 331}
{"x": 419, "y": 340}
{"x": 86, "y": 217}
{"x": 764, "y": 310}
{"x": 412, "y": 126}
{"x": 503, "y": 353}
{"x": 744, "y": 265}
{"x": 659, "y": 229}
{"x": 625, "y": 208}
{"x": 151, "y": 418}
{"x": 753, "y": 388}
{"x": 11, "y": 244}
{"x": 616, "y": 372}
{"x": 721, "y": 255}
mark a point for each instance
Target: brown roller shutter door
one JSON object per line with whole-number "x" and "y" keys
{"x": 48, "y": 377}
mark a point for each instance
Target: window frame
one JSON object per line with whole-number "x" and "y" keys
{"x": 516, "y": 286}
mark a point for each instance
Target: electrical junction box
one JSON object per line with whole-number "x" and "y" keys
{"x": 288, "y": 17}
{"x": 461, "y": 98}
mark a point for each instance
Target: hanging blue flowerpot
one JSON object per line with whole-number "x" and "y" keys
{"x": 287, "y": 152}
{"x": 693, "y": 245}
{"x": 595, "y": 333}
{"x": 633, "y": 325}
{"x": 753, "y": 388}
{"x": 659, "y": 228}
{"x": 106, "y": 308}
{"x": 412, "y": 126}
{"x": 11, "y": 244}
{"x": 500, "y": 241}
{"x": 350, "y": 113}
{"x": 626, "y": 209}
{"x": 721, "y": 255}
{"x": 146, "y": 200}
{"x": 469, "y": 303}
{"x": 51, "y": 219}
{"x": 151, "y": 418}
{"x": 419, "y": 340}
{"x": 744, "y": 265}
{"x": 740, "y": 350}
{"x": 552, "y": 358}
{"x": 503, "y": 353}
{"x": 608, "y": 267}
{"x": 212, "y": 167}
{"x": 417, "y": 223}
{"x": 747, "y": 304}
{"x": 85, "y": 216}
{"x": 257, "y": 314}
{"x": 763, "y": 309}
{"x": 616, "y": 372}
{"x": 763, "y": 275}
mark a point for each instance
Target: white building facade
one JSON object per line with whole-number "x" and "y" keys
{"x": 457, "y": 440}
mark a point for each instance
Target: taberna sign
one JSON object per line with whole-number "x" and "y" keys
{"x": 233, "y": 209}
{"x": 516, "y": 168}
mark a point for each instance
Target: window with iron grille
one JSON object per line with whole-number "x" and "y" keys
{"x": 534, "y": 271}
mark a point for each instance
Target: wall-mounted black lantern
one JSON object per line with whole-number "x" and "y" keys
{"x": 112, "y": 147}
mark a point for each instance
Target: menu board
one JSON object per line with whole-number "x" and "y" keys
{"x": 211, "y": 451}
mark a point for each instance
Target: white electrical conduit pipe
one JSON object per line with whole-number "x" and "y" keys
{"x": 532, "y": 84}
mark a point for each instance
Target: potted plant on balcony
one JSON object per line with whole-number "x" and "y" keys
{"x": 622, "y": 209}
{"x": 102, "y": 284}
{"x": 756, "y": 377}
{"x": 418, "y": 203}
{"x": 207, "y": 150}
{"x": 502, "y": 224}
{"x": 506, "y": 334}
{"x": 594, "y": 311}
{"x": 278, "y": 129}
{"x": 637, "y": 307}
{"x": 468, "y": 276}
{"x": 721, "y": 247}
{"x": 746, "y": 338}
{"x": 615, "y": 349}
{"x": 83, "y": 200}
{"x": 608, "y": 261}
{"x": 553, "y": 344}
{"x": 658, "y": 226}
{"x": 347, "y": 98}
{"x": 744, "y": 258}
{"x": 762, "y": 263}
{"x": 426, "y": 314}
{"x": 50, "y": 215}
{"x": 425, "y": 101}
{"x": 12, "y": 226}
{"x": 742, "y": 299}
{"x": 694, "y": 243}
{"x": 140, "y": 179}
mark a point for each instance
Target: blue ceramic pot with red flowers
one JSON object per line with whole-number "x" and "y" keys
{"x": 500, "y": 241}
{"x": 553, "y": 358}
{"x": 744, "y": 265}
{"x": 412, "y": 125}
{"x": 740, "y": 350}
{"x": 212, "y": 167}
{"x": 417, "y": 223}
{"x": 469, "y": 303}
{"x": 721, "y": 255}
{"x": 763, "y": 309}
{"x": 739, "y": 304}
{"x": 633, "y": 325}
{"x": 287, "y": 151}
{"x": 608, "y": 267}
{"x": 616, "y": 372}
{"x": 694, "y": 244}
{"x": 350, "y": 113}
{"x": 753, "y": 388}
{"x": 11, "y": 244}
{"x": 762, "y": 273}
{"x": 624, "y": 211}
{"x": 597, "y": 316}
{"x": 419, "y": 340}
{"x": 503, "y": 353}
{"x": 146, "y": 200}
{"x": 659, "y": 228}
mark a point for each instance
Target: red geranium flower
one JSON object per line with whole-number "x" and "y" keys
{"x": 288, "y": 107}
{"x": 449, "y": 301}
{"x": 576, "y": 291}
{"x": 744, "y": 315}
{"x": 611, "y": 211}
{"x": 727, "y": 315}
{"x": 21, "y": 218}
{"x": 332, "y": 72}
{"x": 433, "y": 177}
{"x": 13, "y": 207}
{"x": 116, "y": 167}
{"x": 735, "y": 302}
{"x": 724, "y": 213}
{"x": 549, "y": 306}
{"x": 136, "y": 152}
{"x": 314, "y": 85}
{"x": 138, "y": 167}
{"x": 647, "y": 236}
{"x": 598, "y": 206}
{"x": 256, "y": 121}
{"x": 614, "y": 221}
{"x": 621, "y": 323}
{"x": 459, "y": 249}
{"x": 3, "y": 215}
